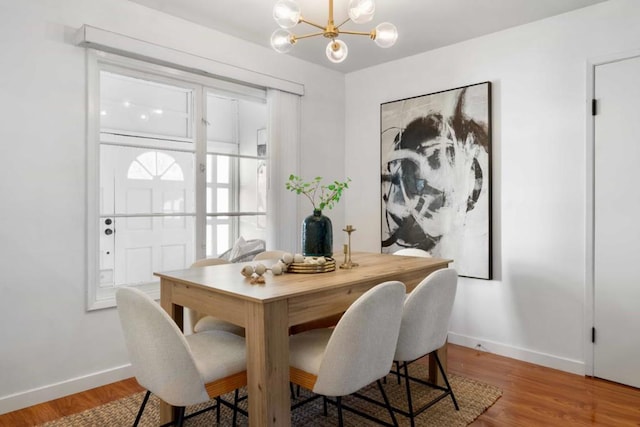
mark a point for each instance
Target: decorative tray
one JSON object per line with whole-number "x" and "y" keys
{"x": 307, "y": 267}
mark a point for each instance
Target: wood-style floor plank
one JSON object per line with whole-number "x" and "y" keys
{"x": 532, "y": 396}
{"x": 537, "y": 396}
{"x": 68, "y": 405}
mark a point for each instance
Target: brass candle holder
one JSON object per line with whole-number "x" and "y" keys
{"x": 347, "y": 264}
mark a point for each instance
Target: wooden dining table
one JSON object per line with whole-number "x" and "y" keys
{"x": 267, "y": 311}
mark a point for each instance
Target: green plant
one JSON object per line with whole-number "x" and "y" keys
{"x": 320, "y": 196}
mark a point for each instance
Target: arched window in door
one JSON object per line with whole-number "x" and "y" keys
{"x": 155, "y": 164}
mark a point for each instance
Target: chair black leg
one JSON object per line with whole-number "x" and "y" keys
{"x": 218, "y": 404}
{"x": 296, "y": 393}
{"x": 180, "y": 418}
{"x": 339, "y": 405}
{"x": 235, "y": 407}
{"x": 324, "y": 406}
{"x": 446, "y": 381}
{"x": 387, "y": 404}
{"x": 398, "y": 371}
{"x": 409, "y": 400}
{"x": 144, "y": 403}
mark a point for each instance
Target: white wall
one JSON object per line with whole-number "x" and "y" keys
{"x": 50, "y": 346}
{"x": 534, "y": 309}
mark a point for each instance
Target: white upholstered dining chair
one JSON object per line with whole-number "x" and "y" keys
{"x": 176, "y": 367}
{"x": 203, "y": 262}
{"x": 358, "y": 351}
{"x": 424, "y": 328}
{"x": 413, "y": 252}
{"x": 275, "y": 254}
{"x": 200, "y": 322}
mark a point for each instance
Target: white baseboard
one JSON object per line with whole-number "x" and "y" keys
{"x": 543, "y": 359}
{"x": 16, "y": 401}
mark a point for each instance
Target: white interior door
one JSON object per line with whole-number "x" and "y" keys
{"x": 617, "y": 222}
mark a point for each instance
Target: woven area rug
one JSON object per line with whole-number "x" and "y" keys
{"x": 473, "y": 398}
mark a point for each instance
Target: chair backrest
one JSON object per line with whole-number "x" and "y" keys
{"x": 160, "y": 356}
{"x": 269, "y": 255}
{"x": 209, "y": 261}
{"x": 425, "y": 318}
{"x": 191, "y": 316}
{"x": 413, "y": 252}
{"x": 363, "y": 342}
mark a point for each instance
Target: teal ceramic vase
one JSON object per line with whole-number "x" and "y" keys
{"x": 317, "y": 235}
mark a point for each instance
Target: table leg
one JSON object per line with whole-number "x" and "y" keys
{"x": 268, "y": 364}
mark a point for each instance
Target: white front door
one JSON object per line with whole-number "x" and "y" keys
{"x": 617, "y": 222}
{"x": 152, "y": 194}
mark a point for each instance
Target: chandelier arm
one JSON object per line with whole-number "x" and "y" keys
{"x": 360, "y": 33}
{"x": 306, "y": 36}
{"x": 313, "y": 24}
{"x": 344, "y": 22}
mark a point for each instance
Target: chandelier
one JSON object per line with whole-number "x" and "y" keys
{"x": 287, "y": 15}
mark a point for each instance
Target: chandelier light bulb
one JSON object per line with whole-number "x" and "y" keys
{"x": 386, "y": 35}
{"x": 337, "y": 51}
{"x": 281, "y": 41}
{"x": 286, "y": 13}
{"x": 361, "y": 11}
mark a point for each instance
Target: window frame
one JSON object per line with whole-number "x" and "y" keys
{"x": 98, "y": 297}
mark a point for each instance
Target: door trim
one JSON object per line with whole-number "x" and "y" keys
{"x": 589, "y": 297}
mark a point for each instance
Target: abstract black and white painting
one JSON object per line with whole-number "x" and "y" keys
{"x": 436, "y": 176}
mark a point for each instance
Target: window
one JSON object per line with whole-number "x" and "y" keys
{"x": 180, "y": 166}
{"x": 236, "y": 165}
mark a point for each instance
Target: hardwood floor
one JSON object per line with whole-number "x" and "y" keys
{"x": 532, "y": 396}
{"x": 68, "y": 405}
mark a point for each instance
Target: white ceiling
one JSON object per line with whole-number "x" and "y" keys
{"x": 422, "y": 24}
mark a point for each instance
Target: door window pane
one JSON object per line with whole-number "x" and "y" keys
{"x": 222, "y": 199}
{"x": 223, "y": 169}
{"x": 218, "y": 236}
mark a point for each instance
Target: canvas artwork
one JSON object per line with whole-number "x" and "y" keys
{"x": 436, "y": 176}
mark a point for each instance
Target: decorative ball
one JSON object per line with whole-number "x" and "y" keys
{"x": 247, "y": 270}
{"x": 287, "y": 258}
{"x": 321, "y": 260}
{"x": 298, "y": 258}
{"x": 260, "y": 269}
{"x": 276, "y": 269}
